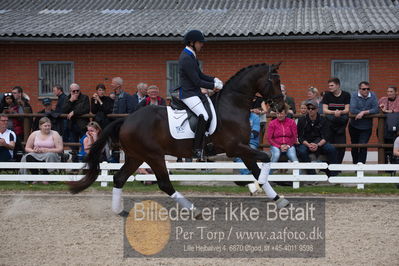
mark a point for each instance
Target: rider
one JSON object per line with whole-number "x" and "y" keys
{"x": 191, "y": 81}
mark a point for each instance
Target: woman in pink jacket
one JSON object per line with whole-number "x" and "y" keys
{"x": 282, "y": 136}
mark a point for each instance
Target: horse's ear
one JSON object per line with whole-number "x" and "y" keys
{"x": 277, "y": 66}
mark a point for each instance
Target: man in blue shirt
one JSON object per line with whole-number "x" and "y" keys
{"x": 363, "y": 102}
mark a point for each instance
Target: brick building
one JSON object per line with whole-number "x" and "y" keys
{"x": 47, "y": 42}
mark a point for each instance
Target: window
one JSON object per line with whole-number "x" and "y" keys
{"x": 172, "y": 73}
{"x": 52, "y": 73}
{"x": 172, "y": 76}
{"x": 350, "y": 73}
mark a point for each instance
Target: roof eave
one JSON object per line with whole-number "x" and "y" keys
{"x": 209, "y": 38}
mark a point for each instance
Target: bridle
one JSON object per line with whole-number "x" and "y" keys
{"x": 269, "y": 82}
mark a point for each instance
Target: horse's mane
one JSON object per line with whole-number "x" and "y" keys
{"x": 235, "y": 78}
{"x": 241, "y": 71}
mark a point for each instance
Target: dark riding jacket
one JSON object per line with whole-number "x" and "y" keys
{"x": 191, "y": 77}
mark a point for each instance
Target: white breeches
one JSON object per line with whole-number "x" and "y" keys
{"x": 196, "y": 105}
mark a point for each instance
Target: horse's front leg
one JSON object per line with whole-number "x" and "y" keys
{"x": 249, "y": 156}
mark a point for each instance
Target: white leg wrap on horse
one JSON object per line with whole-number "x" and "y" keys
{"x": 263, "y": 181}
{"x": 117, "y": 200}
{"x": 264, "y": 173}
{"x": 183, "y": 202}
{"x": 270, "y": 193}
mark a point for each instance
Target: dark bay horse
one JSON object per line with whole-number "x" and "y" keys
{"x": 144, "y": 136}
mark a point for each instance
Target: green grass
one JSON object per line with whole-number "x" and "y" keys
{"x": 139, "y": 187}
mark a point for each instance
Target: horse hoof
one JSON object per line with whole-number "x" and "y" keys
{"x": 282, "y": 202}
{"x": 197, "y": 214}
{"x": 123, "y": 214}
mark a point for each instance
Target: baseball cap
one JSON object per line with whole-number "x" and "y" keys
{"x": 46, "y": 101}
{"x": 311, "y": 102}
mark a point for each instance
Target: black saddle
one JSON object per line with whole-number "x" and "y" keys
{"x": 177, "y": 104}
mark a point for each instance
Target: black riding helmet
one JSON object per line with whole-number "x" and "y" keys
{"x": 193, "y": 36}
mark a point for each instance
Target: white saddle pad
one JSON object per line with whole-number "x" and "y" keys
{"x": 179, "y": 126}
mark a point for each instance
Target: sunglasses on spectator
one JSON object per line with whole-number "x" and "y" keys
{"x": 312, "y": 108}
{"x": 74, "y": 91}
{"x": 364, "y": 89}
{"x": 7, "y": 94}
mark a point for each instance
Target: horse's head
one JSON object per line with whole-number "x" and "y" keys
{"x": 269, "y": 87}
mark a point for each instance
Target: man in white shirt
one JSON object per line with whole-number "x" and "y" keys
{"x": 7, "y": 140}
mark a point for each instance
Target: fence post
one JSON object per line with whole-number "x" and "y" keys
{"x": 380, "y": 133}
{"x": 295, "y": 184}
{"x": 360, "y": 175}
{"x": 104, "y": 172}
{"x": 27, "y": 123}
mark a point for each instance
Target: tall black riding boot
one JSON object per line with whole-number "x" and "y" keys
{"x": 199, "y": 138}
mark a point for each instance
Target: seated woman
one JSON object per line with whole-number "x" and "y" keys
{"x": 282, "y": 136}
{"x": 43, "y": 145}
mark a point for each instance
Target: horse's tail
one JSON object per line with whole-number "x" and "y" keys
{"x": 93, "y": 158}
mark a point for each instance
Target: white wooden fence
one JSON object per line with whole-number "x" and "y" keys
{"x": 295, "y": 176}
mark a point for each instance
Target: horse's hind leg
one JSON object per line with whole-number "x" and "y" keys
{"x": 262, "y": 176}
{"x": 120, "y": 179}
{"x": 161, "y": 172}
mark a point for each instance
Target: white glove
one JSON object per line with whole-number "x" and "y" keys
{"x": 218, "y": 83}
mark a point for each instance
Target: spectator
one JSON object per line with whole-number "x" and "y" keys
{"x": 282, "y": 136}
{"x": 61, "y": 125}
{"x": 123, "y": 103}
{"x": 288, "y": 100}
{"x": 336, "y": 109}
{"x": 390, "y": 106}
{"x": 313, "y": 94}
{"x": 153, "y": 98}
{"x": 254, "y": 123}
{"x": 395, "y": 151}
{"x": 260, "y": 108}
{"x": 7, "y": 140}
{"x": 43, "y": 145}
{"x": 22, "y": 101}
{"x": 141, "y": 93}
{"x": 312, "y": 132}
{"x": 92, "y": 133}
{"x": 9, "y": 106}
{"x": 390, "y": 103}
{"x": 76, "y": 105}
{"x": 302, "y": 111}
{"x": 363, "y": 102}
{"x": 101, "y": 106}
{"x": 49, "y": 112}
{"x": 112, "y": 95}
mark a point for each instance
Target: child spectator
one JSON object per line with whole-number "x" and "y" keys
{"x": 92, "y": 133}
